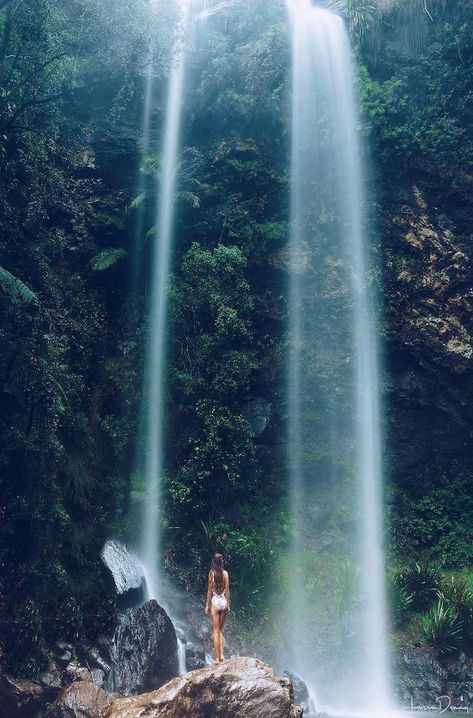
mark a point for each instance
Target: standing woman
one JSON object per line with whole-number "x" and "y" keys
{"x": 218, "y": 602}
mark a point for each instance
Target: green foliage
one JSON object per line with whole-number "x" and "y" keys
{"x": 456, "y": 593}
{"x": 68, "y": 366}
{"x": 416, "y": 108}
{"x": 401, "y": 601}
{"x": 107, "y": 258}
{"x": 438, "y": 523}
{"x": 420, "y": 582}
{"x": 442, "y": 629}
{"x": 16, "y": 290}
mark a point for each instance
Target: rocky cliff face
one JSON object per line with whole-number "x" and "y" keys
{"x": 429, "y": 331}
{"x": 432, "y": 285}
{"x": 428, "y": 279}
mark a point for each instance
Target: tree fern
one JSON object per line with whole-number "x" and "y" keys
{"x": 16, "y": 290}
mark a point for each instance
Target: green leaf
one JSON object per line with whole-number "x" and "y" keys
{"x": 138, "y": 201}
{"x": 16, "y": 290}
{"x": 152, "y": 165}
{"x": 191, "y": 199}
{"x": 107, "y": 259}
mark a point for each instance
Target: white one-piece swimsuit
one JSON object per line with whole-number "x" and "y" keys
{"x": 219, "y": 602}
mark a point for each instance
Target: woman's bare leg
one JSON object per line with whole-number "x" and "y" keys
{"x": 222, "y": 617}
{"x": 216, "y": 633}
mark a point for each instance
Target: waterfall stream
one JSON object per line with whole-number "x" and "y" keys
{"x": 158, "y": 317}
{"x": 333, "y": 382}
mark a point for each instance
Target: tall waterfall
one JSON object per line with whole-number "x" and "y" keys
{"x": 333, "y": 384}
{"x": 154, "y": 393}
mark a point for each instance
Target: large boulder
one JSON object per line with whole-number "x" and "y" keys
{"x": 238, "y": 688}
{"x": 144, "y": 651}
{"x": 81, "y": 700}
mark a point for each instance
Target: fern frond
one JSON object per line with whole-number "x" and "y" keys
{"x": 16, "y": 290}
{"x": 152, "y": 165}
{"x": 138, "y": 201}
{"x": 191, "y": 199}
{"x": 107, "y": 259}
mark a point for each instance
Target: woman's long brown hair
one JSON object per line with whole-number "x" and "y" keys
{"x": 217, "y": 568}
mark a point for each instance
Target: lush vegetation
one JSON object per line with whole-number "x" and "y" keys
{"x": 72, "y": 322}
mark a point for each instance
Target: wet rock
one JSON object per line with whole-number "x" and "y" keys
{"x": 195, "y": 657}
{"x": 132, "y": 598}
{"x": 301, "y": 692}
{"x": 144, "y": 650}
{"x": 81, "y": 700}
{"x": 75, "y": 672}
{"x": 459, "y": 669}
{"x": 64, "y": 653}
{"x": 95, "y": 658}
{"x": 425, "y": 670}
{"x": 98, "y": 677}
{"x": 237, "y": 688}
{"x": 423, "y": 680}
{"x": 51, "y": 680}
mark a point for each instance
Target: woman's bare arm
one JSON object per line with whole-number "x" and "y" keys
{"x": 209, "y": 593}
{"x": 227, "y": 589}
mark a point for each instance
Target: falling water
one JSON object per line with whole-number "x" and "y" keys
{"x": 149, "y": 86}
{"x": 158, "y": 318}
{"x": 333, "y": 382}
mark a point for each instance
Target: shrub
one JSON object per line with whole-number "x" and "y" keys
{"x": 401, "y": 601}
{"x": 456, "y": 593}
{"x": 442, "y": 628}
{"x": 422, "y": 583}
